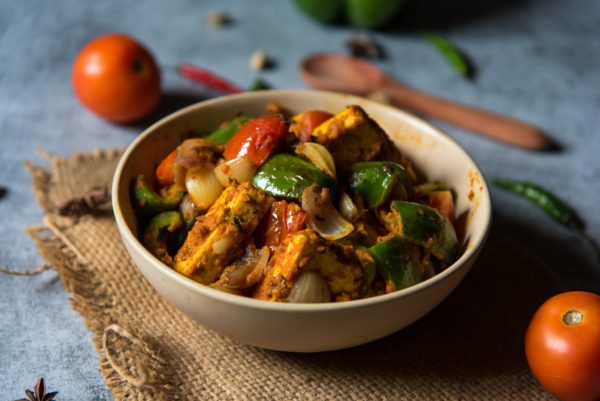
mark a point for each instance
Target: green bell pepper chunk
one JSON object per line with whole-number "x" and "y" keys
{"x": 395, "y": 260}
{"x": 149, "y": 202}
{"x": 287, "y": 176}
{"x": 223, "y": 135}
{"x": 423, "y": 226}
{"x": 376, "y": 181}
{"x": 156, "y": 233}
{"x": 368, "y": 266}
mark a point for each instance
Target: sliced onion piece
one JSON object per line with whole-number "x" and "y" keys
{"x": 347, "y": 207}
{"x": 223, "y": 288}
{"x": 193, "y": 152}
{"x": 323, "y": 217}
{"x": 203, "y": 186}
{"x": 235, "y": 170}
{"x": 310, "y": 287}
{"x": 248, "y": 271}
{"x": 317, "y": 155}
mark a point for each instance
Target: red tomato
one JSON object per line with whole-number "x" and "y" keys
{"x": 256, "y": 139}
{"x": 164, "y": 171}
{"x": 117, "y": 78}
{"x": 305, "y": 123}
{"x": 562, "y": 346}
{"x": 281, "y": 219}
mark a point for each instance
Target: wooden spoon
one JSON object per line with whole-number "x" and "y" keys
{"x": 335, "y": 72}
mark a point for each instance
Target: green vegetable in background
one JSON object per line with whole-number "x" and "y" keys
{"x": 549, "y": 203}
{"x": 372, "y": 14}
{"x": 369, "y": 14}
{"x": 223, "y": 135}
{"x": 457, "y": 59}
{"x": 258, "y": 85}
{"x": 287, "y": 176}
{"x": 376, "y": 181}
{"x": 327, "y": 11}
{"x": 149, "y": 202}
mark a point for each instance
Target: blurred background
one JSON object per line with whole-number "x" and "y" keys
{"x": 536, "y": 60}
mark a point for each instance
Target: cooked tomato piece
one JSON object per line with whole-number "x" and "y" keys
{"x": 281, "y": 219}
{"x": 164, "y": 171}
{"x": 257, "y": 139}
{"x": 305, "y": 123}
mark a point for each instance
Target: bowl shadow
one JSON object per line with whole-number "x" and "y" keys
{"x": 475, "y": 336}
{"x": 170, "y": 102}
{"x": 442, "y": 14}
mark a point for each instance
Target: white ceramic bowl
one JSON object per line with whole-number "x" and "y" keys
{"x": 306, "y": 327}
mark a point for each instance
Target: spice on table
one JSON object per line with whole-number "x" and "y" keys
{"x": 361, "y": 45}
{"x": 94, "y": 201}
{"x": 208, "y": 78}
{"x": 220, "y": 18}
{"x": 457, "y": 59}
{"x": 39, "y": 393}
{"x": 260, "y": 61}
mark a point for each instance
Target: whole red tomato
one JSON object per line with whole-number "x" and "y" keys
{"x": 562, "y": 346}
{"x": 117, "y": 78}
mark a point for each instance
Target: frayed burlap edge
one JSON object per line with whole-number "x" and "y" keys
{"x": 88, "y": 295}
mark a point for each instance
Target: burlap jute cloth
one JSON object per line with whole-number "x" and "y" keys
{"x": 469, "y": 348}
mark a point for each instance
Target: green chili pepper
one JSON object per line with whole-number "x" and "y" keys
{"x": 395, "y": 259}
{"x": 258, "y": 85}
{"x": 457, "y": 59}
{"x": 549, "y": 203}
{"x": 423, "y": 226}
{"x": 156, "y": 234}
{"x": 223, "y": 135}
{"x": 150, "y": 202}
{"x": 376, "y": 181}
{"x": 287, "y": 176}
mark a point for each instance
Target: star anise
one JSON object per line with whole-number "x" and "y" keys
{"x": 39, "y": 394}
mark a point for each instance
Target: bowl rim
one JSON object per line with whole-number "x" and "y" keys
{"x": 485, "y": 206}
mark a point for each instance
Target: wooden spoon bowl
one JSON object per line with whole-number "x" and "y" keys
{"x": 339, "y": 73}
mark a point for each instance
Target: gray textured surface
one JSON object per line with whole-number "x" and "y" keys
{"x": 538, "y": 60}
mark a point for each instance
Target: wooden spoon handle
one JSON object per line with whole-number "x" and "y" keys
{"x": 496, "y": 126}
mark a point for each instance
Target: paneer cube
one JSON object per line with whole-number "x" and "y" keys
{"x": 305, "y": 250}
{"x": 351, "y": 136}
{"x": 214, "y": 241}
